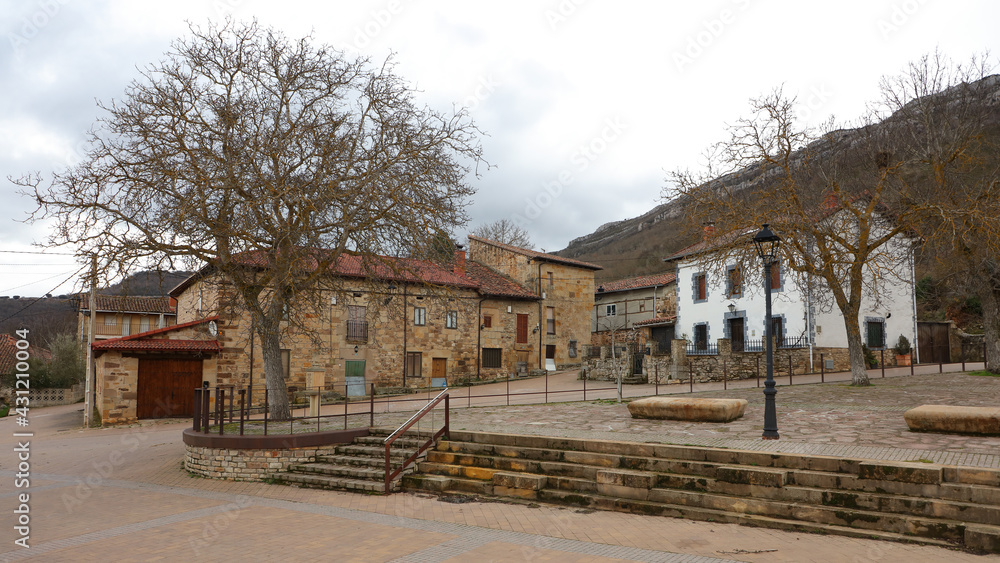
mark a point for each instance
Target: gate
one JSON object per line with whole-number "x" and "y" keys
{"x": 932, "y": 343}
{"x": 638, "y": 350}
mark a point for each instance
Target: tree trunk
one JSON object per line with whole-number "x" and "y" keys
{"x": 859, "y": 369}
{"x": 990, "y": 300}
{"x": 277, "y": 388}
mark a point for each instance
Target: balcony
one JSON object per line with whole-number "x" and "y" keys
{"x": 357, "y": 331}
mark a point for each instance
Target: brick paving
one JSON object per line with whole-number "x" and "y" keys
{"x": 121, "y": 493}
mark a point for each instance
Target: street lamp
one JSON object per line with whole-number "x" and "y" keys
{"x": 767, "y": 248}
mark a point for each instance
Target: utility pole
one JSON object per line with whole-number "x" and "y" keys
{"x": 88, "y": 407}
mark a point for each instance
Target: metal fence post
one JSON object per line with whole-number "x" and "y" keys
{"x": 881, "y": 362}
{"x": 789, "y": 369}
{"x": 725, "y": 375}
{"x": 691, "y": 376}
{"x": 243, "y": 402}
{"x": 371, "y": 408}
{"x": 822, "y": 370}
{"x": 197, "y": 409}
{"x": 758, "y": 371}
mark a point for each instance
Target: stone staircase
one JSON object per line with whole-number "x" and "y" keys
{"x": 905, "y": 501}
{"x": 359, "y": 466}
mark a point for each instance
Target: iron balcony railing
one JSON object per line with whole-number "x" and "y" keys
{"x": 357, "y": 331}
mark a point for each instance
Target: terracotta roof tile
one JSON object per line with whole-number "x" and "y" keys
{"x": 127, "y": 303}
{"x": 8, "y": 353}
{"x": 494, "y": 284}
{"x": 142, "y": 340}
{"x": 657, "y": 321}
{"x": 638, "y": 282}
{"x": 538, "y": 255}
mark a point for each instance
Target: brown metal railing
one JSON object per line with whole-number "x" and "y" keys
{"x": 357, "y": 331}
{"x": 444, "y": 431}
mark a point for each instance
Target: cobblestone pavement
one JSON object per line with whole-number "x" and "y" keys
{"x": 120, "y": 494}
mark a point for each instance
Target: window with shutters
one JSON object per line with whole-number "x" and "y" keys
{"x": 522, "y": 329}
{"x": 492, "y": 357}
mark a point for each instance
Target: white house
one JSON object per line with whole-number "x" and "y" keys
{"x": 731, "y": 305}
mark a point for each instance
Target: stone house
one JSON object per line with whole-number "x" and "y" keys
{"x": 560, "y": 324}
{"x": 123, "y": 315}
{"x": 644, "y": 301}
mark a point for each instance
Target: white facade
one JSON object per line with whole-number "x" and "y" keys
{"x": 806, "y": 311}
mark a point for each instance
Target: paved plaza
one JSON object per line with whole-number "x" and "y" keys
{"x": 121, "y": 494}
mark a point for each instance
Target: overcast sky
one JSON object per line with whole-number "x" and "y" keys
{"x": 587, "y": 104}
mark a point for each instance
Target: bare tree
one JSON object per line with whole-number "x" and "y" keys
{"x": 846, "y": 203}
{"x": 267, "y": 161}
{"x": 504, "y": 231}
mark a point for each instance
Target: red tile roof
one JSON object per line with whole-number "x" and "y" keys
{"x": 637, "y": 283}
{"x": 657, "y": 321}
{"x": 127, "y": 303}
{"x": 494, "y": 284}
{"x": 535, "y": 255}
{"x": 476, "y": 276}
{"x": 9, "y": 349}
{"x": 351, "y": 265}
{"x": 142, "y": 341}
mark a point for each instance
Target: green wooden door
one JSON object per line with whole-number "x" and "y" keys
{"x": 355, "y": 376}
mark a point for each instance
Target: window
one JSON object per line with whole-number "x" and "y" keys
{"x": 143, "y": 323}
{"x": 552, "y": 280}
{"x": 487, "y": 321}
{"x": 701, "y": 337}
{"x": 110, "y": 320}
{"x": 419, "y": 316}
{"x": 875, "y": 332}
{"x": 550, "y": 320}
{"x": 522, "y": 329}
{"x": 700, "y": 287}
{"x": 734, "y": 281}
{"x": 451, "y": 319}
{"x": 777, "y": 328}
{"x": 572, "y": 348}
{"x": 286, "y": 363}
{"x": 414, "y": 360}
{"x": 492, "y": 357}
{"x": 775, "y": 275}
{"x": 357, "y": 323}
{"x": 610, "y": 310}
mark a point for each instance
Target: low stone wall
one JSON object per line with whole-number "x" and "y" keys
{"x": 247, "y": 465}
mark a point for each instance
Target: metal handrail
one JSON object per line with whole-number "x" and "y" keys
{"x": 443, "y": 395}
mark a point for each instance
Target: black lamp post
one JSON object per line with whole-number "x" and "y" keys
{"x": 767, "y": 248}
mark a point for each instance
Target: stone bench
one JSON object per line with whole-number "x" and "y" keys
{"x": 955, "y": 419}
{"x": 688, "y": 408}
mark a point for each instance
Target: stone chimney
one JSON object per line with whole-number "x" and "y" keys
{"x": 459, "y": 268}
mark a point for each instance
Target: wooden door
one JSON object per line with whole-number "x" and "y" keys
{"x": 354, "y": 375}
{"x": 736, "y": 334}
{"x": 439, "y": 367}
{"x": 932, "y": 343}
{"x": 166, "y": 387}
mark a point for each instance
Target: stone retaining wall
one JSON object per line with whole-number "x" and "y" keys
{"x": 247, "y": 465}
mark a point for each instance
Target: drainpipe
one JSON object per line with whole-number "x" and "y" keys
{"x": 404, "y": 334}
{"x": 809, "y": 323}
{"x": 538, "y": 281}
{"x": 913, "y": 295}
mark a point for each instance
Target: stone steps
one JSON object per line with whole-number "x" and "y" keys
{"x": 928, "y": 503}
{"x": 359, "y": 466}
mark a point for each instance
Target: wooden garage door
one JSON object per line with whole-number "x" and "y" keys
{"x": 166, "y": 387}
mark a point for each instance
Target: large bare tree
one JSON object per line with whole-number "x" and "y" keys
{"x": 504, "y": 231}
{"x": 847, "y": 203}
{"x": 266, "y": 161}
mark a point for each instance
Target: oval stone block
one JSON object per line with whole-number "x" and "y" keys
{"x": 688, "y": 408}
{"x": 955, "y": 419}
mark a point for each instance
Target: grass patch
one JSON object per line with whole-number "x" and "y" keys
{"x": 984, "y": 373}
{"x": 921, "y": 460}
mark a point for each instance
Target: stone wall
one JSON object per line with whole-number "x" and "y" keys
{"x": 247, "y": 465}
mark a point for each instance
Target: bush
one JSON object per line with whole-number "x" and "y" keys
{"x": 870, "y": 360}
{"x": 902, "y": 346}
